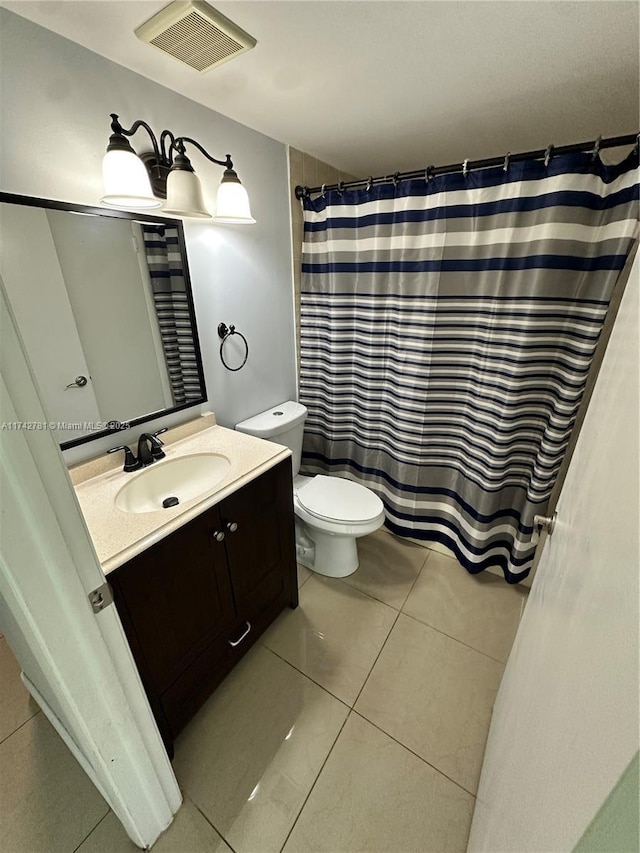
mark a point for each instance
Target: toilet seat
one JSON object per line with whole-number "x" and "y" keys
{"x": 338, "y": 499}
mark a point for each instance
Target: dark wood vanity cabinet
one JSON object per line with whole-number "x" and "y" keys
{"x": 195, "y": 602}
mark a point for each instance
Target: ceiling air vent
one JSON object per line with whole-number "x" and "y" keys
{"x": 196, "y": 34}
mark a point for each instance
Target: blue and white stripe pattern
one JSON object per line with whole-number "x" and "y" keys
{"x": 447, "y": 330}
{"x": 162, "y": 250}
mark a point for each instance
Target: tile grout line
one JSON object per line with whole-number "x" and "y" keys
{"x": 364, "y": 592}
{"x": 455, "y": 639}
{"x": 426, "y": 560}
{"x": 211, "y": 824}
{"x": 315, "y": 781}
{"x": 424, "y": 760}
{"x": 104, "y": 817}
{"x": 376, "y": 660}
{"x": 390, "y": 631}
{"x": 23, "y": 723}
{"x": 370, "y": 595}
{"x": 304, "y": 674}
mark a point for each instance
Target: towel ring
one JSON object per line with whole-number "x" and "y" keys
{"x": 225, "y": 332}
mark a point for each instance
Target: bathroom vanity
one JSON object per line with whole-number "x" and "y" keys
{"x": 196, "y": 584}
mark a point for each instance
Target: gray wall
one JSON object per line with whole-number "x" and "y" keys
{"x": 54, "y": 127}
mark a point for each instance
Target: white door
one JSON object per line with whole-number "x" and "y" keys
{"x": 76, "y": 664}
{"x": 38, "y": 296}
{"x": 565, "y": 722}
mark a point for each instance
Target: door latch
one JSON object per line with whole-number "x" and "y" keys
{"x": 101, "y": 597}
{"x": 540, "y": 523}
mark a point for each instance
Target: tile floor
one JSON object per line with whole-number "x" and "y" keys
{"x": 358, "y": 723}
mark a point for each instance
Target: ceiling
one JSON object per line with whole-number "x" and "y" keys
{"x": 377, "y": 87}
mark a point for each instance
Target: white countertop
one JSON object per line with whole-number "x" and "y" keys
{"x": 117, "y": 535}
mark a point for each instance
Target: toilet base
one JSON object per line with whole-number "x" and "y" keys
{"x": 326, "y": 554}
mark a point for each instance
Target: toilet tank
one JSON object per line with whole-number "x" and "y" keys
{"x": 283, "y": 424}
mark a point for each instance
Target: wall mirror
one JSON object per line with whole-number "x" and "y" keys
{"x": 103, "y": 302}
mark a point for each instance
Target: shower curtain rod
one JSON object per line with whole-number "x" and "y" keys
{"x": 468, "y": 165}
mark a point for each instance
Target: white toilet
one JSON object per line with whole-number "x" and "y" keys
{"x": 331, "y": 512}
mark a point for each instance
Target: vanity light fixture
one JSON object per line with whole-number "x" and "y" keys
{"x": 141, "y": 182}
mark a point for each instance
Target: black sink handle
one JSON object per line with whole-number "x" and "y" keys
{"x": 130, "y": 461}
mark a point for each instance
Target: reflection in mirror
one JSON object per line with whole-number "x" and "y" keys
{"x": 103, "y": 303}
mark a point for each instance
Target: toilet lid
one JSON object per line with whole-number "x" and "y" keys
{"x": 339, "y": 499}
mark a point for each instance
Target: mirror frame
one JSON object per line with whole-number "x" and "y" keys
{"x": 32, "y": 201}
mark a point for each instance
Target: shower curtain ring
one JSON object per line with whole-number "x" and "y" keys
{"x": 637, "y": 145}
{"x": 596, "y": 148}
{"x": 428, "y": 173}
{"x": 369, "y": 183}
{"x": 395, "y": 179}
{"x": 465, "y": 168}
{"x": 507, "y": 160}
{"x": 548, "y": 154}
{"x": 340, "y": 187}
{"x": 322, "y": 190}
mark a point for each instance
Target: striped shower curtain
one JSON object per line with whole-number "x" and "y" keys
{"x": 447, "y": 330}
{"x": 162, "y": 250}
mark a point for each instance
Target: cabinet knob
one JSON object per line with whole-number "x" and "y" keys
{"x": 218, "y": 535}
{"x": 232, "y": 526}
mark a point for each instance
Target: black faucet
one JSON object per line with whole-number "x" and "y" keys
{"x": 146, "y": 455}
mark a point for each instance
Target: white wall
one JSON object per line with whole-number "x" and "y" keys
{"x": 565, "y": 723}
{"x": 54, "y": 127}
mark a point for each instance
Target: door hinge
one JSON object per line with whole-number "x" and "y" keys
{"x": 101, "y": 597}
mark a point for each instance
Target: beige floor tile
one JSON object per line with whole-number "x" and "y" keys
{"x": 374, "y": 796}
{"x": 190, "y": 832}
{"x": 250, "y": 756}
{"x": 16, "y": 704}
{"x": 334, "y": 636}
{"x": 435, "y": 696}
{"x": 47, "y": 802}
{"x": 303, "y": 575}
{"x": 388, "y": 567}
{"x": 482, "y": 610}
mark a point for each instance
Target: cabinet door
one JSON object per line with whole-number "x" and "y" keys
{"x": 261, "y": 548}
{"x": 179, "y": 597}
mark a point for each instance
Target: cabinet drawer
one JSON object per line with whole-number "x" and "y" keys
{"x": 193, "y": 687}
{"x": 191, "y": 690}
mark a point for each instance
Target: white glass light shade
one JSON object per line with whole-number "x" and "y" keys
{"x": 184, "y": 195}
{"x": 233, "y": 204}
{"x": 126, "y": 182}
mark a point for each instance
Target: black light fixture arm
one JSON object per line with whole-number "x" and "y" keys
{"x": 179, "y": 144}
{"x": 167, "y": 150}
{"x": 118, "y": 130}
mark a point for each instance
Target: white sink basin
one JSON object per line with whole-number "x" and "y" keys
{"x": 183, "y": 478}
